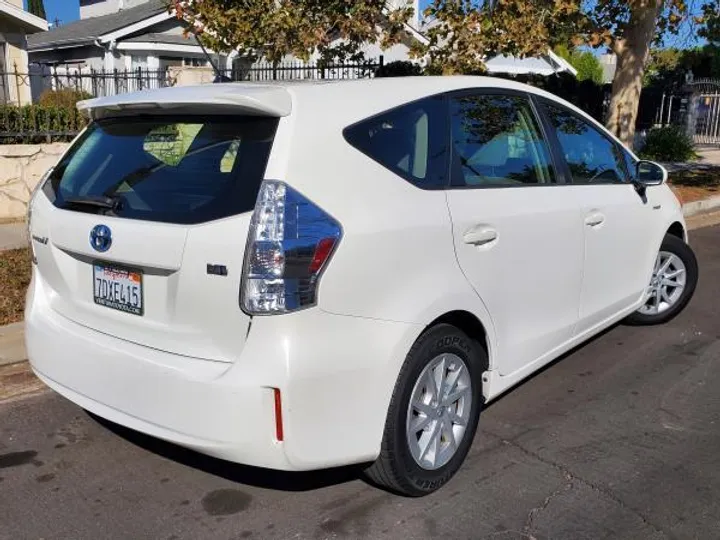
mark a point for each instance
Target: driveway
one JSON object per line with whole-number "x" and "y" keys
{"x": 619, "y": 439}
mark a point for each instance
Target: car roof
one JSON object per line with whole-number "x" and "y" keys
{"x": 345, "y": 101}
{"x": 275, "y": 97}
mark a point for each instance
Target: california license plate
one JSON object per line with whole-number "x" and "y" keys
{"x": 118, "y": 288}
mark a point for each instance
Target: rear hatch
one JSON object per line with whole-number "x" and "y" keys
{"x": 146, "y": 220}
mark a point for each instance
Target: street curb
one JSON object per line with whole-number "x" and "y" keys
{"x": 12, "y": 344}
{"x": 698, "y": 207}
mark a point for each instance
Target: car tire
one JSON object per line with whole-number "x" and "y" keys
{"x": 676, "y": 247}
{"x": 446, "y": 354}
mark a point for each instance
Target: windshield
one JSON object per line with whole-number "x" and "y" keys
{"x": 171, "y": 169}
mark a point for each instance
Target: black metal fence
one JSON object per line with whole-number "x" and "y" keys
{"x": 23, "y": 88}
{"x": 292, "y": 71}
{"x": 19, "y": 88}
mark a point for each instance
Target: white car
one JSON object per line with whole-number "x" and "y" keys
{"x": 303, "y": 276}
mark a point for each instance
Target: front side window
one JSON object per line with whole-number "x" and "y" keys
{"x": 171, "y": 169}
{"x": 630, "y": 163}
{"x": 408, "y": 140}
{"x": 496, "y": 142}
{"x": 591, "y": 156}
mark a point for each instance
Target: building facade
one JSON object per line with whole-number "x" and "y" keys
{"x": 15, "y": 25}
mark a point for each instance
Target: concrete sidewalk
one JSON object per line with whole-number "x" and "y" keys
{"x": 12, "y": 336}
{"x": 12, "y": 344}
{"x": 12, "y": 236}
{"x": 709, "y": 158}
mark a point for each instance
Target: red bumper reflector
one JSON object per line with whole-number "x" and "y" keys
{"x": 278, "y": 415}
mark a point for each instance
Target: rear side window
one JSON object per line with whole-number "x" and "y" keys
{"x": 497, "y": 142}
{"x": 408, "y": 140}
{"x": 171, "y": 169}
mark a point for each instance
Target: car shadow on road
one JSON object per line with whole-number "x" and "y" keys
{"x": 273, "y": 479}
{"x": 242, "y": 474}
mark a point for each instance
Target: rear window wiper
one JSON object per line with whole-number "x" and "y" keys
{"x": 99, "y": 201}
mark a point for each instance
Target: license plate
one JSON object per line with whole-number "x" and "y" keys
{"x": 118, "y": 288}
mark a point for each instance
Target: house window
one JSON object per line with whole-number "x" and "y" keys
{"x": 138, "y": 62}
{"x": 194, "y": 62}
{"x": 170, "y": 61}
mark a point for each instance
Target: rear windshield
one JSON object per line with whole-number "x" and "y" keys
{"x": 171, "y": 169}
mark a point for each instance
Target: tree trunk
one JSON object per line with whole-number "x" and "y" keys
{"x": 632, "y": 52}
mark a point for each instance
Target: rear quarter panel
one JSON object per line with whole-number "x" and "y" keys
{"x": 396, "y": 260}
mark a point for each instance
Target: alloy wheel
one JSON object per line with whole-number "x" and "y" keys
{"x": 666, "y": 285}
{"x": 439, "y": 411}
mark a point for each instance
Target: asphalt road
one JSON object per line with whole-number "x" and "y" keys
{"x": 619, "y": 439}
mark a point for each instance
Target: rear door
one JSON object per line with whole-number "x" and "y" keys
{"x": 620, "y": 226}
{"x": 517, "y": 229}
{"x": 146, "y": 221}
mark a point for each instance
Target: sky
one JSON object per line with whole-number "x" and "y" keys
{"x": 64, "y": 10}
{"x": 69, "y": 10}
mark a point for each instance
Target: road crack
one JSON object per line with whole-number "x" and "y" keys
{"x": 530, "y": 521}
{"x": 572, "y": 477}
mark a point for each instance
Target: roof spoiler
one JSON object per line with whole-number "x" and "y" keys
{"x": 235, "y": 98}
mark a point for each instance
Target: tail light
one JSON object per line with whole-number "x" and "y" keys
{"x": 290, "y": 241}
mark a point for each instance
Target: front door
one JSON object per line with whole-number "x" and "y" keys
{"x": 518, "y": 233}
{"x": 619, "y": 224}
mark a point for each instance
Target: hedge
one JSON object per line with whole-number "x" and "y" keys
{"x": 65, "y": 97}
{"x": 669, "y": 143}
{"x": 39, "y": 123}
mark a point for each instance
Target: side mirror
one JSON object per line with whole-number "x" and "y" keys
{"x": 649, "y": 173}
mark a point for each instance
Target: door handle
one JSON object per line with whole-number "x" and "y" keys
{"x": 479, "y": 236}
{"x": 594, "y": 219}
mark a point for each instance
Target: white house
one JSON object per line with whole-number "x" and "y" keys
{"x": 142, "y": 34}
{"x": 118, "y": 34}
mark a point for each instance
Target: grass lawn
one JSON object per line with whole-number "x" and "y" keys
{"x": 15, "y": 270}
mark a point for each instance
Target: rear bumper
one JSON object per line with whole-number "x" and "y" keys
{"x": 335, "y": 375}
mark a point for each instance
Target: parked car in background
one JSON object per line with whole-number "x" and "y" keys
{"x": 303, "y": 276}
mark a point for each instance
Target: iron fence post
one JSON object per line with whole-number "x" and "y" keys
{"x": 93, "y": 82}
{"x": 17, "y": 84}
{"x": 691, "y": 118}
